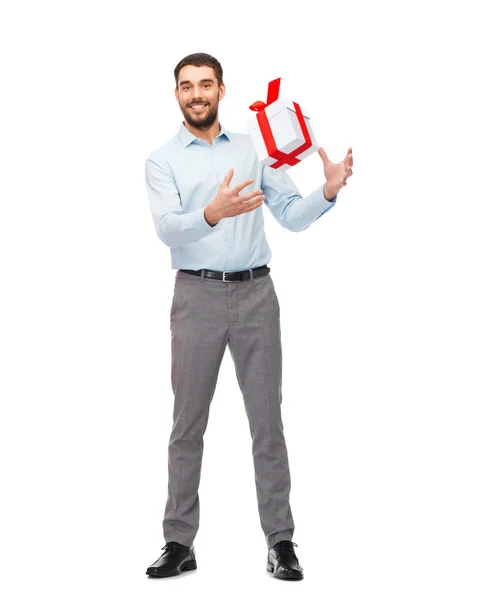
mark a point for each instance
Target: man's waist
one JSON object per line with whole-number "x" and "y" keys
{"x": 230, "y": 275}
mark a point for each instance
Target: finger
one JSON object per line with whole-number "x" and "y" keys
{"x": 250, "y": 199}
{"x": 322, "y": 153}
{"x": 250, "y": 195}
{"x": 242, "y": 185}
{"x": 249, "y": 206}
{"x": 348, "y": 159}
{"x": 348, "y": 165}
{"x": 227, "y": 180}
{"x": 345, "y": 176}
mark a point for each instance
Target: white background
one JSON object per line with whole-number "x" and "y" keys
{"x": 380, "y": 302}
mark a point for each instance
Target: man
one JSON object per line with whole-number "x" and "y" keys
{"x": 206, "y": 187}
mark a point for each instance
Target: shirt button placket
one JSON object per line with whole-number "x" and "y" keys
{"x": 229, "y": 240}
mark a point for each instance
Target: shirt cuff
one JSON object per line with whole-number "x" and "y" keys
{"x": 317, "y": 198}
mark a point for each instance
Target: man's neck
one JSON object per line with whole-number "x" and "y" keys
{"x": 208, "y": 134}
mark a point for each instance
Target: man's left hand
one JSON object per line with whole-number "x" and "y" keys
{"x": 336, "y": 173}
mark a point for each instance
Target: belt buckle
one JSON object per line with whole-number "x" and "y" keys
{"x": 224, "y": 275}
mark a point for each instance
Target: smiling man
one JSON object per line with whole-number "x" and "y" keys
{"x": 201, "y": 112}
{"x": 206, "y": 188}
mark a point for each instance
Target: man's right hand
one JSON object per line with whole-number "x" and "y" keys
{"x": 228, "y": 202}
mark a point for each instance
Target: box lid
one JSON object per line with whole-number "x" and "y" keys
{"x": 273, "y": 109}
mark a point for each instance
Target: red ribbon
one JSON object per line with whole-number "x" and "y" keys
{"x": 266, "y": 132}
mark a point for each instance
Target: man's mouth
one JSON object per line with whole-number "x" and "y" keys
{"x": 197, "y": 107}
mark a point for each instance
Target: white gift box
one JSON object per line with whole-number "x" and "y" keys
{"x": 286, "y": 130}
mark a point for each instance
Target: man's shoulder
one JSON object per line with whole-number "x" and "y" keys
{"x": 161, "y": 154}
{"x": 238, "y": 137}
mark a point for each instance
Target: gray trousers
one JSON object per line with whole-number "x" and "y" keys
{"x": 206, "y": 315}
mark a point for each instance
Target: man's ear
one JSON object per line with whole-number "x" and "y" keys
{"x": 222, "y": 91}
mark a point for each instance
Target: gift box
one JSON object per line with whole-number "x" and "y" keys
{"x": 280, "y": 130}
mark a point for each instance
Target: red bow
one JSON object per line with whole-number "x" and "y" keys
{"x": 273, "y": 93}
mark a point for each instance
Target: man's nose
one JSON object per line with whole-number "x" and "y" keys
{"x": 197, "y": 92}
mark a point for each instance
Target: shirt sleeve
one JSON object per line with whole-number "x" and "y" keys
{"x": 287, "y": 205}
{"x": 173, "y": 226}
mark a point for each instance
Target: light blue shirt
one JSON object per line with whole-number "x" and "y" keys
{"x": 183, "y": 176}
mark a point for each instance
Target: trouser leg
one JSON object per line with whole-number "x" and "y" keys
{"x": 199, "y": 338}
{"x": 255, "y": 345}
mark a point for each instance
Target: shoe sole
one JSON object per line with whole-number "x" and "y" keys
{"x": 270, "y": 569}
{"x": 189, "y": 566}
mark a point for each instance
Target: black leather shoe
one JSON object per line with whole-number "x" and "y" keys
{"x": 282, "y": 561}
{"x": 175, "y": 559}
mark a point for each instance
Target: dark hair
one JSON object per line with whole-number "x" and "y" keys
{"x": 200, "y": 60}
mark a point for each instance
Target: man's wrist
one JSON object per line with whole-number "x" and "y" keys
{"x": 329, "y": 193}
{"x": 210, "y": 216}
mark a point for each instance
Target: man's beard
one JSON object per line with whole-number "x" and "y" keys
{"x": 203, "y": 122}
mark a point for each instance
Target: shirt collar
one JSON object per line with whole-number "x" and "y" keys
{"x": 187, "y": 137}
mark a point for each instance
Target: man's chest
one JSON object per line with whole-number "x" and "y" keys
{"x": 199, "y": 173}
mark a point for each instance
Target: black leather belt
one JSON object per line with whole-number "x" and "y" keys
{"x": 230, "y": 276}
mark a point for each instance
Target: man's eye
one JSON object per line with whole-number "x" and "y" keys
{"x": 207, "y": 84}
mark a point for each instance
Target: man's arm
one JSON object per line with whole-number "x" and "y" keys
{"x": 173, "y": 226}
{"x": 287, "y": 205}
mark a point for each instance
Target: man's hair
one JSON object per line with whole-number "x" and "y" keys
{"x": 200, "y": 59}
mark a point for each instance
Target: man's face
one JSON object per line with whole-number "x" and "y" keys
{"x": 198, "y": 95}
